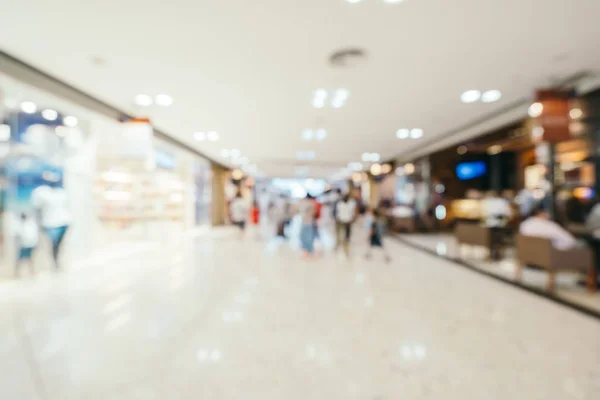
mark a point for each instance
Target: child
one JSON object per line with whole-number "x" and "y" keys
{"x": 376, "y": 234}
{"x": 27, "y": 236}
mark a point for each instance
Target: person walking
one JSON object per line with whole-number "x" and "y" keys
{"x": 239, "y": 211}
{"x": 307, "y": 211}
{"x": 27, "y": 236}
{"x": 376, "y": 234}
{"x": 345, "y": 214}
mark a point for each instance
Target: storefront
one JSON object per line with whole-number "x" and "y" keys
{"x": 72, "y": 171}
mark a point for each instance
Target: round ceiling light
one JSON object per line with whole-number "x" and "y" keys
{"x": 212, "y": 136}
{"x": 28, "y": 107}
{"x": 462, "y": 150}
{"x": 416, "y": 133}
{"x": 49, "y": 115}
{"x": 143, "y": 100}
{"x": 470, "y": 96}
{"x": 200, "y": 136}
{"x": 491, "y": 96}
{"x": 70, "y": 121}
{"x": 163, "y": 100}
{"x": 402, "y": 133}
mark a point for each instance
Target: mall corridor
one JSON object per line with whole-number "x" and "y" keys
{"x": 215, "y": 317}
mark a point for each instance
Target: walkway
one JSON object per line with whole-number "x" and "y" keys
{"x": 219, "y": 318}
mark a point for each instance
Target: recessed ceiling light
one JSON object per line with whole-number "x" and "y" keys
{"x": 535, "y": 110}
{"x": 470, "y": 96}
{"x": 402, "y": 133}
{"x": 353, "y": 1}
{"x": 409, "y": 168}
{"x": 305, "y": 155}
{"x": 461, "y": 150}
{"x": 371, "y": 157}
{"x": 143, "y": 100}
{"x": 200, "y": 136}
{"x": 375, "y": 169}
{"x": 340, "y": 97}
{"x": 28, "y": 107}
{"x": 416, "y": 133}
{"x": 163, "y": 100}
{"x": 70, "y": 121}
{"x": 321, "y": 134}
{"x": 393, "y": 1}
{"x": 212, "y": 136}
{"x": 49, "y": 114}
{"x": 491, "y": 96}
{"x": 386, "y": 168}
{"x": 575, "y": 113}
{"x": 307, "y": 134}
{"x": 355, "y": 166}
{"x": 235, "y": 153}
{"x": 319, "y": 98}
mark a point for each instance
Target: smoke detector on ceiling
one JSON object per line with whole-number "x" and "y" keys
{"x": 348, "y": 58}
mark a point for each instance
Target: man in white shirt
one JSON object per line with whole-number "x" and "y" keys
{"x": 496, "y": 210}
{"x": 345, "y": 211}
{"x": 540, "y": 225}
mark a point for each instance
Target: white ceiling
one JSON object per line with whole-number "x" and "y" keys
{"x": 248, "y": 69}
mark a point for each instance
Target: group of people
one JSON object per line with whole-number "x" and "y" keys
{"x": 338, "y": 213}
{"x": 537, "y": 221}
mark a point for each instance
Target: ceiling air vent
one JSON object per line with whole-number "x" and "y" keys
{"x": 348, "y": 58}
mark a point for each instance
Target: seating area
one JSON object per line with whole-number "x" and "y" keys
{"x": 531, "y": 262}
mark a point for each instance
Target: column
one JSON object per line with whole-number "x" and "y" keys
{"x": 220, "y": 176}
{"x": 495, "y": 173}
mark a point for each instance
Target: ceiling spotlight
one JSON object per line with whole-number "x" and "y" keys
{"x": 212, "y": 136}
{"x": 163, "y": 100}
{"x": 393, "y": 1}
{"x": 319, "y": 98}
{"x": 339, "y": 98}
{"x": 28, "y": 107}
{"x": 402, "y": 133}
{"x": 307, "y": 134}
{"x": 461, "y": 150}
{"x": 355, "y": 166}
{"x": 321, "y": 134}
{"x": 200, "y": 136}
{"x": 416, "y": 133}
{"x": 353, "y": 1}
{"x": 409, "y": 168}
{"x": 470, "y": 96}
{"x": 371, "y": 157}
{"x": 235, "y": 153}
{"x": 143, "y": 100}
{"x": 535, "y": 110}
{"x": 575, "y": 113}
{"x": 70, "y": 121}
{"x": 386, "y": 168}
{"x": 491, "y": 96}
{"x": 49, "y": 114}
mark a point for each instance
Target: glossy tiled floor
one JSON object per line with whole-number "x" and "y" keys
{"x": 567, "y": 288}
{"x": 215, "y": 317}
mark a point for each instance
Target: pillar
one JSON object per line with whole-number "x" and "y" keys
{"x": 496, "y": 173}
{"x": 220, "y": 176}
